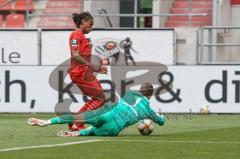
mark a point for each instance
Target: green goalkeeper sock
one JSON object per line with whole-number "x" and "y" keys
{"x": 64, "y": 119}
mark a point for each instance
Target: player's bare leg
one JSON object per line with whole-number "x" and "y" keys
{"x": 93, "y": 104}
{"x": 126, "y": 59}
{"x": 90, "y": 87}
{"x": 132, "y": 59}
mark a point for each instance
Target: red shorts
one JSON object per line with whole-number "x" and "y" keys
{"x": 84, "y": 78}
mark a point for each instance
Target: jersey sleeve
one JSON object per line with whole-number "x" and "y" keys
{"x": 156, "y": 118}
{"x": 74, "y": 42}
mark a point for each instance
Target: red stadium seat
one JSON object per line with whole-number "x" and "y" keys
{"x": 198, "y": 6}
{"x": 1, "y": 22}
{"x": 7, "y": 7}
{"x": 173, "y": 24}
{"x": 56, "y": 23}
{"x": 63, "y": 4}
{"x": 15, "y": 21}
{"x": 64, "y": 0}
{"x": 61, "y": 10}
{"x": 186, "y": 18}
{"x": 195, "y": 4}
{"x": 59, "y": 7}
{"x": 21, "y": 5}
{"x": 235, "y": 2}
{"x": 194, "y": 10}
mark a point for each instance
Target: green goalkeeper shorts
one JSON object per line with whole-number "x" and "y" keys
{"x": 102, "y": 121}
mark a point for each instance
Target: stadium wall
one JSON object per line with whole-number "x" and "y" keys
{"x": 45, "y": 89}
{"x": 111, "y": 7}
{"x": 161, "y": 7}
{"x": 36, "y": 82}
{"x": 235, "y": 33}
{"x": 186, "y": 46}
{"x": 225, "y": 13}
{"x": 160, "y": 46}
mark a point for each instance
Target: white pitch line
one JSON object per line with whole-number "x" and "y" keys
{"x": 47, "y": 146}
{"x": 176, "y": 141}
{"x": 214, "y": 124}
{"x": 89, "y": 141}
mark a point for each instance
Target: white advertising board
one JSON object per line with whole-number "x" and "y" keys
{"x": 150, "y": 45}
{"x": 27, "y": 89}
{"x": 19, "y": 47}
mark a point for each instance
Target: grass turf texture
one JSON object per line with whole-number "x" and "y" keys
{"x": 204, "y": 136}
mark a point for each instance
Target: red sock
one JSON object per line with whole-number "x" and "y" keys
{"x": 76, "y": 126}
{"x": 90, "y": 105}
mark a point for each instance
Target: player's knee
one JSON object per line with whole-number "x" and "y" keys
{"x": 104, "y": 99}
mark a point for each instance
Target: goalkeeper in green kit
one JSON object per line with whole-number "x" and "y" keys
{"x": 110, "y": 120}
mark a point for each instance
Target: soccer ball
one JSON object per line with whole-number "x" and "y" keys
{"x": 145, "y": 127}
{"x": 204, "y": 110}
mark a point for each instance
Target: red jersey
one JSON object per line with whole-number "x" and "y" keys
{"x": 78, "y": 42}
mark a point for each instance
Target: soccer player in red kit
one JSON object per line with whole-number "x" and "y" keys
{"x": 81, "y": 71}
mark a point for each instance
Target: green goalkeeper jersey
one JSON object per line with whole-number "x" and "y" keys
{"x": 133, "y": 107}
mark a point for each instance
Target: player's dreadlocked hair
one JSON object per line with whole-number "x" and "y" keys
{"x": 147, "y": 89}
{"x": 78, "y": 18}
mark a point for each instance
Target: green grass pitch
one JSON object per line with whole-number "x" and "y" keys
{"x": 202, "y": 137}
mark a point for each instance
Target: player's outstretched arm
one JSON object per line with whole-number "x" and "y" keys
{"x": 134, "y": 50}
{"x": 96, "y": 68}
{"x": 159, "y": 119}
{"x": 37, "y": 122}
